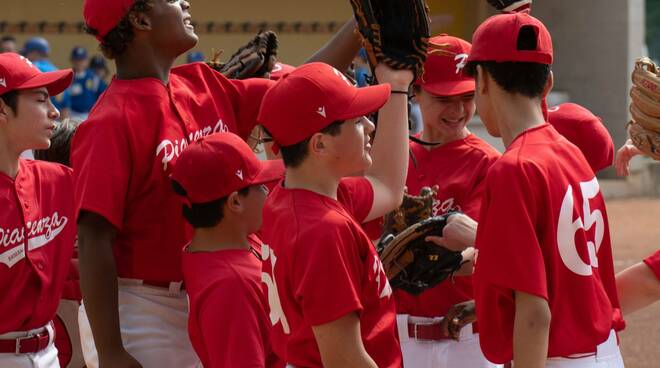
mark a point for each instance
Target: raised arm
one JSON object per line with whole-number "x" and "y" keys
{"x": 389, "y": 154}
{"x": 341, "y": 49}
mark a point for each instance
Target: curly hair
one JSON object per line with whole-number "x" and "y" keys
{"x": 115, "y": 42}
{"x": 60, "y": 143}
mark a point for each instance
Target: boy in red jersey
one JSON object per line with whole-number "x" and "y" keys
{"x": 222, "y": 184}
{"x": 130, "y": 228}
{"x": 330, "y": 301}
{"x": 449, "y": 157}
{"x": 546, "y": 264}
{"x": 37, "y": 220}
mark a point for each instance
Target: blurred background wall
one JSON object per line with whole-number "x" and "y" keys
{"x": 596, "y": 42}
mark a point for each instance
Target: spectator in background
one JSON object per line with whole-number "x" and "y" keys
{"x": 362, "y": 69}
{"x": 86, "y": 87}
{"x": 7, "y": 44}
{"x": 195, "y": 56}
{"x": 36, "y": 50}
{"x": 99, "y": 66}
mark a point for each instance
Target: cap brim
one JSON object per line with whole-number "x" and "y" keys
{"x": 55, "y": 82}
{"x": 271, "y": 170}
{"x": 366, "y": 101}
{"x": 453, "y": 88}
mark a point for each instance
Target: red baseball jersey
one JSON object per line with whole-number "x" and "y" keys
{"x": 653, "y": 261}
{"x": 228, "y": 322}
{"x": 544, "y": 231}
{"x": 459, "y": 170}
{"x": 123, "y": 154}
{"x": 319, "y": 266}
{"x": 37, "y": 232}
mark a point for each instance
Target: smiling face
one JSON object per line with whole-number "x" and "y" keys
{"x": 171, "y": 26}
{"x": 32, "y": 124}
{"x": 445, "y": 117}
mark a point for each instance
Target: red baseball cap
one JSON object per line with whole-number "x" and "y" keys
{"x": 496, "y": 39}
{"x": 586, "y": 131}
{"x": 312, "y": 97}
{"x": 280, "y": 70}
{"x": 18, "y": 73}
{"x": 219, "y": 164}
{"x": 104, "y": 15}
{"x": 443, "y": 69}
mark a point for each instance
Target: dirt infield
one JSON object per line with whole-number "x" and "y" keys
{"x": 635, "y": 231}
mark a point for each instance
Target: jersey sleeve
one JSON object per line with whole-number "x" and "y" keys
{"x": 653, "y": 261}
{"x": 101, "y": 164}
{"x": 327, "y": 277}
{"x": 356, "y": 195}
{"x": 229, "y": 320}
{"x": 471, "y": 204}
{"x": 510, "y": 255}
{"x": 246, "y": 100}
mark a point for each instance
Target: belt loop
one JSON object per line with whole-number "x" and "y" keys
{"x": 175, "y": 288}
{"x": 50, "y": 328}
{"x": 402, "y": 327}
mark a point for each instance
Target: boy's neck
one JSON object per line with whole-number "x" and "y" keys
{"x": 516, "y": 114}
{"x": 430, "y": 134}
{"x": 312, "y": 176}
{"x": 220, "y": 237}
{"x": 8, "y": 159}
{"x": 143, "y": 62}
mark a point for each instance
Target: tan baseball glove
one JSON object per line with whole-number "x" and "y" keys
{"x": 644, "y": 129}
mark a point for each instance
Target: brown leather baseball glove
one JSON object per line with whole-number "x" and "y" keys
{"x": 256, "y": 59}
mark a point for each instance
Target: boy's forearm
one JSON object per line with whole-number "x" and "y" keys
{"x": 531, "y": 331}
{"x": 390, "y": 146}
{"x": 638, "y": 287}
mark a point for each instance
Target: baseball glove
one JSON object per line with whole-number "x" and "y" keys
{"x": 256, "y": 59}
{"x": 648, "y": 141}
{"x": 644, "y": 129}
{"x": 394, "y": 32}
{"x": 511, "y": 6}
{"x": 60, "y": 143}
{"x": 413, "y": 209}
{"x": 413, "y": 264}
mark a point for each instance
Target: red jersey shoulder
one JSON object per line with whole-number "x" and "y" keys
{"x": 49, "y": 170}
{"x": 482, "y": 146}
{"x": 653, "y": 261}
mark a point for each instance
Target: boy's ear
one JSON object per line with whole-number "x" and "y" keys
{"x": 234, "y": 202}
{"x": 4, "y": 110}
{"x": 316, "y": 144}
{"x": 139, "y": 20}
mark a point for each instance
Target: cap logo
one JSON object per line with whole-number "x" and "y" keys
{"x": 239, "y": 173}
{"x": 343, "y": 77}
{"x": 321, "y": 111}
{"x": 461, "y": 62}
{"x": 3, "y": 82}
{"x": 27, "y": 61}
